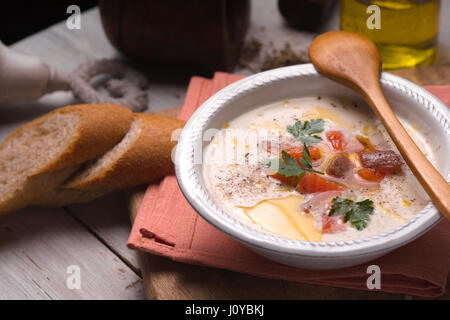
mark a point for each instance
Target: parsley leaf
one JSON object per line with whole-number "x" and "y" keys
{"x": 360, "y": 216}
{"x": 305, "y": 160}
{"x": 306, "y": 131}
{"x": 340, "y": 206}
{"x": 288, "y": 165}
{"x": 357, "y": 213}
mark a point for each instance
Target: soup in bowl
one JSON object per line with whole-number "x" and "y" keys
{"x": 313, "y": 169}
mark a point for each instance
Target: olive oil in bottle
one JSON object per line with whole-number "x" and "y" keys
{"x": 404, "y": 31}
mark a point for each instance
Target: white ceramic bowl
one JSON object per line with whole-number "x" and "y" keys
{"x": 409, "y": 101}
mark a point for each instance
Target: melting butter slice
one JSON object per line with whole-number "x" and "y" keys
{"x": 282, "y": 216}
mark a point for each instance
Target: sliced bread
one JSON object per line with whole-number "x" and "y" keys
{"x": 37, "y": 157}
{"x": 143, "y": 156}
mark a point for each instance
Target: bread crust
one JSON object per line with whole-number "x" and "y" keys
{"x": 100, "y": 127}
{"x": 147, "y": 159}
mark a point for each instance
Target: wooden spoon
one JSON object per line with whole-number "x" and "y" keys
{"x": 354, "y": 61}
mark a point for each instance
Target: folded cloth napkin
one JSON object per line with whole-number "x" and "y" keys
{"x": 166, "y": 225}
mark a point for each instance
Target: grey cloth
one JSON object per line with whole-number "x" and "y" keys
{"x": 123, "y": 86}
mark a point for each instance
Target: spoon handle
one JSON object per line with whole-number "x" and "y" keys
{"x": 431, "y": 180}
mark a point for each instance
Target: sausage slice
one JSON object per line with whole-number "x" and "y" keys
{"x": 383, "y": 161}
{"x": 339, "y": 166}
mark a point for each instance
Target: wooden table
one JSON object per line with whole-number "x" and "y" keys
{"x": 37, "y": 246}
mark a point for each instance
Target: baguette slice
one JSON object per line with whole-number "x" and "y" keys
{"x": 39, "y": 156}
{"x": 143, "y": 156}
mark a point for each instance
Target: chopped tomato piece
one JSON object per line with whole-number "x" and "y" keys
{"x": 297, "y": 153}
{"x": 290, "y": 181}
{"x": 315, "y": 153}
{"x": 312, "y": 183}
{"x": 332, "y": 224}
{"x": 371, "y": 175}
{"x": 337, "y": 139}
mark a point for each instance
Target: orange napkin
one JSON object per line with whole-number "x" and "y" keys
{"x": 166, "y": 225}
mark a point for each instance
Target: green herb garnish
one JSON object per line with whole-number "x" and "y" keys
{"x": 307, "y": 131}
{"x": 357, "y": 213}
{"x": 288, "y": 165}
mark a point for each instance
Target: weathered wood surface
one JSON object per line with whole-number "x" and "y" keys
{"x": 37, "y": 245}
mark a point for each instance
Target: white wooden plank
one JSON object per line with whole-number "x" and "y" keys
{"x": 65, "y": 49}
{"x": 108, "y": 218}
{"x": 38, "y": 245}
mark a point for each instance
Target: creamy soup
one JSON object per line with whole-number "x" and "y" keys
{"x": 351, "y": 183}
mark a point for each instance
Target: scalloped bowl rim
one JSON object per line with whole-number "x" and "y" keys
{"x": 199, "y": 199}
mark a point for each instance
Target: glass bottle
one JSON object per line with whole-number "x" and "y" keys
{"x": 404, "y": 31}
